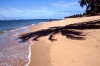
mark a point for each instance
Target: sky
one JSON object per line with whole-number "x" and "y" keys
{"x": 38, "y": 9}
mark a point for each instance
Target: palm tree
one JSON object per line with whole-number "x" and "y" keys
{"x": 98, "y": 6}
{"x": 92, "y": 6}
{"x": 83, "y": 3}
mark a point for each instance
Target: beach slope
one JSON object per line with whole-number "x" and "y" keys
{"x": 80, "y": 46}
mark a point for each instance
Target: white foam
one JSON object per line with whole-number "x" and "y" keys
{"x": 17, "y": 29}
{"x": 29, "y": 56}
{"x": 29, "y": 49}
{"x": 21, "y": 30}
{"x": 14, "y": 34}
{"x": 5, "y": 31}
{"x": 23, "y": 27}
{"x": 33, "y": 24}
{"x": 42, "y": 22}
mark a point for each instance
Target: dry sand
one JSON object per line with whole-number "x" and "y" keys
{"x": 64, "y": 51}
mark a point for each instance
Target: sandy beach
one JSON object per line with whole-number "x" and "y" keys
{"x": 65, "y": 51}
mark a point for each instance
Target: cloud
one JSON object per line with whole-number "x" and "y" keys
{"x": 38, "y": 13}
{"x": 15, "y": 10}
{"x": 27, "y": 13}
{"x": 64, "y": 4}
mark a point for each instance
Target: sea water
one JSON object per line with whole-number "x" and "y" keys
{"x": 13, "y": 51}
{"x": 6, "y": 25}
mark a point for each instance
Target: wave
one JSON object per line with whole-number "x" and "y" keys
{"x": 12, "y": 50}
{"x": 29, "y": 56}
{"x": 14, "y": 29}
{"x": 1, "y": 32}
{"x": 11, "y": 47}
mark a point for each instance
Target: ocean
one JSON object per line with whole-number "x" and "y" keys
{"x": 6, "y": 25}
{"x": 14, "y": 52}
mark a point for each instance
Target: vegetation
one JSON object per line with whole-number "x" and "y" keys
{"x": 71, "y": 31}
{"x": 92, "y": 6}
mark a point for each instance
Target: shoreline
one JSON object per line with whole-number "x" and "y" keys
{"x": 43, "y": 53}
{"x": 20, "y": 31}
{"x": 12, "y": 43}
{"x": 29, "y": 56}
{"x": 34, "y": 22}
{"x": 2, "y": 32}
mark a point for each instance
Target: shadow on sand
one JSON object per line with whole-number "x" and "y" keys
{"x": 71, "y": 31}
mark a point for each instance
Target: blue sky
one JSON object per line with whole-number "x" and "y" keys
{"x": 38, "y": 9}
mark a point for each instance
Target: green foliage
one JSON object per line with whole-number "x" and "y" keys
{"x": 92, "y": 6}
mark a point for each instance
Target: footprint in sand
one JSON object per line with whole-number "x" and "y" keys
{"x": 97, "y": 45}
